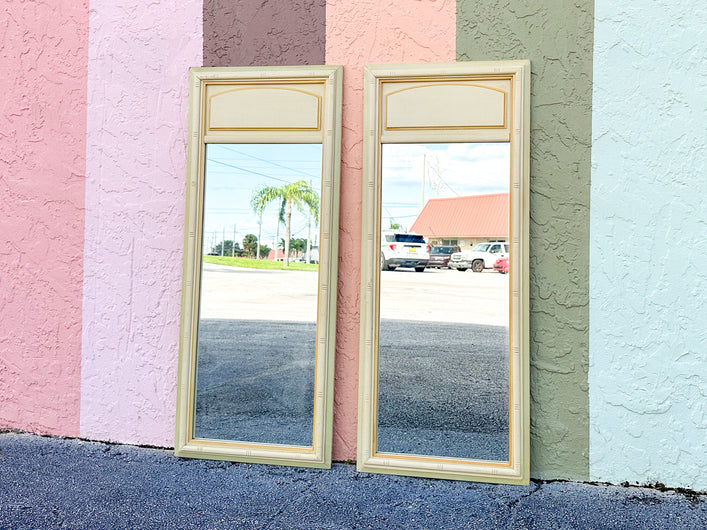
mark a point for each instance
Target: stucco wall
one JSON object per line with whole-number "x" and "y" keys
{"x": 139, "y": 57}
{"x": 89, "y": 325}
{"x": 247, "y": 33}
{"x": 648, "y": 371}
{"x": 557, "y": 38}
{"x": 43, "y": 51}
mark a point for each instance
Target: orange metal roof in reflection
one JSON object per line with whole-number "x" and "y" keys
{"x": 473, "y": 216}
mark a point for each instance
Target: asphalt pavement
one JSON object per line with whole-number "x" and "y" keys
{"x": 443, "y": 386}
{"x": 65, "y": 483}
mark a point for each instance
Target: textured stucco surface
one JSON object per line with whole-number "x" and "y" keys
{"x": 648, "y": 309}
{"x": 43, "y": 54}
{"x": 263, "y": 33}
{"x": 139, "y": 57}
{"x": 557, "y": 37}
{"x": 359, "y": 33}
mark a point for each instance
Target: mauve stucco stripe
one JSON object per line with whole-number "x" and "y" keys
{"x": 275, "y": 33}
{"x": 138, "y": 77}
{"x": 360, "y": 33}
{"x": 43, "y": 56}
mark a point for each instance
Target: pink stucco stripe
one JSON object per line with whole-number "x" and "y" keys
{"x": 139, "y": 56}
{"x": 360, "y": 33}
{"x": 43, "y": 55}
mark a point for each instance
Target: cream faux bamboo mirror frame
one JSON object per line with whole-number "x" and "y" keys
{"x": 475, "y": 102}
{"x": 274, "y": 107}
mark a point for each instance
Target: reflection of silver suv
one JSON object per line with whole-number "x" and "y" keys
{"x": 403, "y": 250}
{"x": 481, "y": 257}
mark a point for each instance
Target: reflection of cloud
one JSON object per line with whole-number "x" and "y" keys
{"x": 450, "y": 170}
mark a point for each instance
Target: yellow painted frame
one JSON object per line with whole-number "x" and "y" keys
{"x": 517, "y": 469}
{"x": 329, "y": 82}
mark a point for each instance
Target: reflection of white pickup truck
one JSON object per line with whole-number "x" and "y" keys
{"x": 481, "y": 257}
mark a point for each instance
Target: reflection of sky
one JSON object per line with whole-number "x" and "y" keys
{"x": 234, "y": 171}
{"x": 451, "y": 170}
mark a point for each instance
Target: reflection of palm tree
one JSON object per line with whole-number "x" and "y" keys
{"x": 298, "y": 194}
{"x": 258, "y": 208}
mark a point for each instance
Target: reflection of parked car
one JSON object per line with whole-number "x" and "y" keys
{"x": 481, "y": 257}
{"x": 403, "y": 250}
{"x": 439, "y": 256}
{"x": 501, "y": 265}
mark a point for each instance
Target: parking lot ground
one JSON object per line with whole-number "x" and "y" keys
{"x": 443, "y": 357}
{"x": 439, "y": 295}
{"x": 63, "y": 483}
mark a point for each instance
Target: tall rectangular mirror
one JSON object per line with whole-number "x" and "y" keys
{"x": 259, "y": 296}
{"x": 443, "y": 388}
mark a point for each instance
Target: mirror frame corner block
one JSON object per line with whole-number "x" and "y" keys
{"x": 312, "y": 97}
{"x": 382, "y": 124}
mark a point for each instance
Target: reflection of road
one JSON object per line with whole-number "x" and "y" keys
{"x": 256, "y": 294}
{"x": 443, "y": 295}
{"x": 255, "y": 383}
{"x": 433, "y": 295}
{"x": 443, "y": 389}
{"x": 443, "y": 359}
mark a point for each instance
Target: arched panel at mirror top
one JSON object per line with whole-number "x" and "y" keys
{"x": 260, "y": 265}
{"x": 443, "y": 384}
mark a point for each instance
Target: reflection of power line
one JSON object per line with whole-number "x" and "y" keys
{"x": 439, "y": 180}
{"x": 248, "y": 171}
{"x": 270, "y": 162}
{"x": 448, "y": 186}
{"x": 228, "y": 210}
{"x": 476, "y": 177}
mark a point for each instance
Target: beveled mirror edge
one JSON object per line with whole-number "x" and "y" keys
{"x": 319, "y": 455}
{"x": 517, "y": 471}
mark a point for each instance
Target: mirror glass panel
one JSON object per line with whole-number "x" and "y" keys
{"x": 444, "y": 371}
{"x": 256, "y": 335}
{"x": 258, "y": 319}
{"x": 443, "y": 343}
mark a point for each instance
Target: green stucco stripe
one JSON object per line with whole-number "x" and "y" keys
{"x": 557, "y": 37}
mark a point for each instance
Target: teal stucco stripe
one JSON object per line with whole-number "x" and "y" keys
{"x": 648, "y": 309}
{"x": 557, "y": 37}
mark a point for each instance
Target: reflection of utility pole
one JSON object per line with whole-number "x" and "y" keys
{"x": 424, "y": 166}
{"x": 260, "y": 232}
{"x": 233, "y": 243}
{"x": 223, "y": 238}
{"x": 437, "y": 180}
{"x": 309, "y": 237}
{"x": 309, "y": 232}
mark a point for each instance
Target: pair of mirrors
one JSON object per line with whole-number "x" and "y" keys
{"x": 443, "y": 378}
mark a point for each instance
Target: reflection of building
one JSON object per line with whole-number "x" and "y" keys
{"x": 464, "y": 221}
{"x": 301, "y": 254}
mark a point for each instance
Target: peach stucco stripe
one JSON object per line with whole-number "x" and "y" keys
{"x": 360, "y": 33}
{"x": 43, "y": 55}
{"x": 139, "y": 59}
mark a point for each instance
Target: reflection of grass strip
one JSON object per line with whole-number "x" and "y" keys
{"x": 259, "y": 263}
